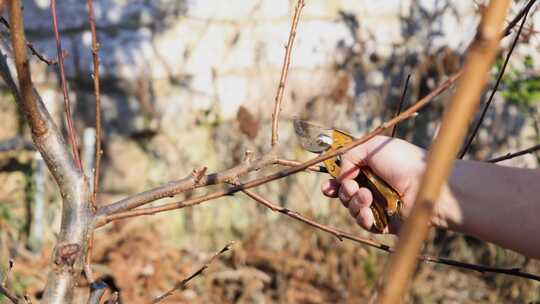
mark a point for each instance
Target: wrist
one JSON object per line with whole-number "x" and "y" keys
{"x": 448, "y": 213}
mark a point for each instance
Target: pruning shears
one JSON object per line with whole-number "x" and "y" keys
{"x": 387, "y": 201}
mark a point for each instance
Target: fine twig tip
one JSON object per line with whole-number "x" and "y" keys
{"x": 72, "y": 137}
{"x": 183, "y": 283}
{"x": 30, "y": 46}
{"x": 284, "y": 72}
{"x": 400, "y": 104}
{"x": 198, "y": 174}
{"x": 508, "y": 156}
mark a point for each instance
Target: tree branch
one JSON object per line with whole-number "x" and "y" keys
{"x": 514, "y": 271}
{"x": 67, "y": 104}
{"x": 95, "y": 76}
{"x": 341, "y": 235}
{"x": 508, "y": 29}
{"x": 494, "y": 90}
{"x": 29, "y": 105}
{"x": 200, "y": 271}
{"x": 442, "y": 153}
{"x": 107, "y": 215}
{"x": 190, "y": 182}
{"x": 10, "y": 295}
{"x": 68, "y": 255}
{"x": 30, "y": 46}
{"x": 284, "y": 71}
{"x": 515, "y": 154}
{"x": 292, "y": 163}
{"x": 400, "y": 105}
{"x": 5, "y": 291}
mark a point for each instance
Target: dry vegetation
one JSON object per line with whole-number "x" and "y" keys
{"x": 298, "y": 258}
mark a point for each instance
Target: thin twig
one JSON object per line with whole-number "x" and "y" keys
{"x": 106, "y": 217}
{"x": 5, "y": 276}
{"x": 67, "y": 104}
{"x": 442, "y": 154}
{"x": 513, "y": 271}
{"x": 95, "y": 76}
{"x": 9, "y": 294}
{"x": 173, "y": 188}
{"x": 400, "y": 105}
{"x": 30, "y": 46}
{"x": 292, "y": 163}
{"x": 364, "y": 241}
{"x": 341, "y": 235}
{"x": 494, "y": 90}
{"x": 515, "y": 154}
{"x": 183, "y": 283}
{"x": 284, "y": 71}
{"x": 508, "y": 29}
{"x": 4, "y": 290}
{"x": 297, "y": 216}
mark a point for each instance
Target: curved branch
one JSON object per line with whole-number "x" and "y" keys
{"x": 67, "y": 104}
{"x": 68, "y": 255}
{"x": 190, "y": 182}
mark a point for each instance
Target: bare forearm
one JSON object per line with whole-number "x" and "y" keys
{"x": 496, "y": 203}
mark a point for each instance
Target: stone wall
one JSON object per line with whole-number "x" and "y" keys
{"x": 175, "y": 73}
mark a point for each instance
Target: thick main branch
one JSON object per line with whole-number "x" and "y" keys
{"x": 443, "y": 151}
{"x": 29, "y": 105}
{"x": 68, "y": 256}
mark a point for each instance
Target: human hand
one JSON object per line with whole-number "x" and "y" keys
{"x": 396, "y": 161}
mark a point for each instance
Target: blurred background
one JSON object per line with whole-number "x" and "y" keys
{"x": 192, "y": 83}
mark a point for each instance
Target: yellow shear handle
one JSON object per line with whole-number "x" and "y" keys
{"x": 386, "y": 200}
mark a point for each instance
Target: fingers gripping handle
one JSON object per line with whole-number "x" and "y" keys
{"x": 386, "y": 201}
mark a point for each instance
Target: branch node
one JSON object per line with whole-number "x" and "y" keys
{"x": 248, "y": 156}
{"x": 67, "y": 254}
{"x": 198, "y": 173}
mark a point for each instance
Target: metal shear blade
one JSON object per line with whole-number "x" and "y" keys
{"x": 313, "y": 137}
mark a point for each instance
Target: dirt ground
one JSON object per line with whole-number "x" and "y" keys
{"x": 287, "y": 263}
